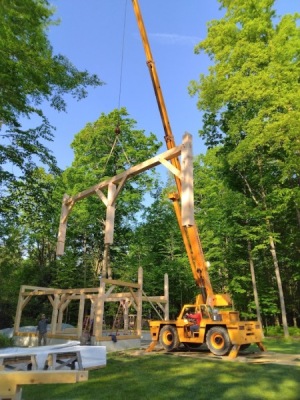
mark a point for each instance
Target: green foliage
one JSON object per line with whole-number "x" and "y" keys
{"x": 157, "y": 246}
{"x": 278, "y": 331}
{"x": 5, "y": 341}
{"x": 250, "y": 98}
{"x": 30, "y": 75}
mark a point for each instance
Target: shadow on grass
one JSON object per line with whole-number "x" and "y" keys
{"x": 161, "y": 377}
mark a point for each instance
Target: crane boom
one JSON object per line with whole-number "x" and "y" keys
{"x": 222, "y": 331}
{"x": 190, "y": 234}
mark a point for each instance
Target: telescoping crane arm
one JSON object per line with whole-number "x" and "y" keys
{"x": 189, "y": 233}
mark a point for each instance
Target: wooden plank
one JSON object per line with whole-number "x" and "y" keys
{"x": 14, "y": 378}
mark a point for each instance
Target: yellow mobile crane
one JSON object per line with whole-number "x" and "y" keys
{"x": 222, "y": 331}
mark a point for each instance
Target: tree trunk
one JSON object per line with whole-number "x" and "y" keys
{"x": 298, "y": 215}
{"x": 256, "y": 300}
{"x": 280, "y": 290}
{"x": 295, "y": 322}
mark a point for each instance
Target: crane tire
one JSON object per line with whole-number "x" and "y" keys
{"x": 168, "y": 338}
{"x": 218, "y": 341}
{"x": 245, "y": 346}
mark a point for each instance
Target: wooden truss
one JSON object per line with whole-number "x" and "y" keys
{"x": 114, "y": 185}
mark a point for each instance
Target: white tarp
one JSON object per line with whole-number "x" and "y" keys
{"x": 92, "y": 356}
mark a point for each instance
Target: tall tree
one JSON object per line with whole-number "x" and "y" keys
{"x": 252, "y": 107}
{"x": 102, "y": 150}
{"x": 28, "y": 230}
{"x": 30, "y": 75}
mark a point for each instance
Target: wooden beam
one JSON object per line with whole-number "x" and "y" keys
{"x": 171, "y": 167}
{"x": 187, "y": 196}
{"x": 65, "y": 211}
{"x": 11, "y": 381}
{"x": 120, "y": 283}
{"x": 110, "y": 214}
{"x": 137, "y": 169}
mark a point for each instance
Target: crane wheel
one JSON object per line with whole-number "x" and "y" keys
{"x": 218, "y": 341}
{"x": 168, "y": 338}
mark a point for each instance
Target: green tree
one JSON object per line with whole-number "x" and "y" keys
{"x": 157, "y": 246}
{"x": 252, "y": 108}
{"x": 28, "y": 239}
{"x": 102, "y": 150}
{"x": 232, "y": 232}
{"x": 30, "y": 75}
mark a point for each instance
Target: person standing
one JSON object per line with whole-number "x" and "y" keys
{"x": 42, "y": 330}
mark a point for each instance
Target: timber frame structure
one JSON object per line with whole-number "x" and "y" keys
{"x": 109, "y": 289}
{"x": 59, "y": 299}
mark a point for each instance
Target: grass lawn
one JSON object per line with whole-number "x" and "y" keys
{"x": 167, "y": 376}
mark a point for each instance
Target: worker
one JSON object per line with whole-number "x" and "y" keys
{"x": 42, "y": 330}
{"x": 196, "y": 317}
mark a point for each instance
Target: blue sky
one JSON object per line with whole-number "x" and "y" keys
{"x": 92, "y": 35}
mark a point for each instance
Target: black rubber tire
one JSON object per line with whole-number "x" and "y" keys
{"x": 168, "y": 338}
{"x": 218, "y": 341}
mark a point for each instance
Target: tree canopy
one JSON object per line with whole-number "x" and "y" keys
{"x": 30, "y": 75}
{"x": 246, "y": 186}
{"x": 250, "y": 98}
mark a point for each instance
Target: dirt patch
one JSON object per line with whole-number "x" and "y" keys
{"x": 251, "y": 357}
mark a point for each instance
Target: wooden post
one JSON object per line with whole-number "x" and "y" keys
{"x": 166, "y": 295}
{"x": 187, "y": 197}
{"x": 139, "y": 302}
{"x": 19, "y": 311}
{"x": 99, "y": 311}
{"x": 65, "y": 210}
{"x": 126, "y": 306}
{"x": 106, "y": 261}
{"x": 61, "y": 311}
{"x": 110, "y": 214}
{"x": 54, "y": 313}
{"x": 92, "y": 313}
{"x": 80, "y": 315}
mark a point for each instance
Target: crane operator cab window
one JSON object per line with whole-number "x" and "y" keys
{"x": 206, "y": 312}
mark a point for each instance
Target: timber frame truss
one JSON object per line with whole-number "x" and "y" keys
{"x": 114, "y": 185}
